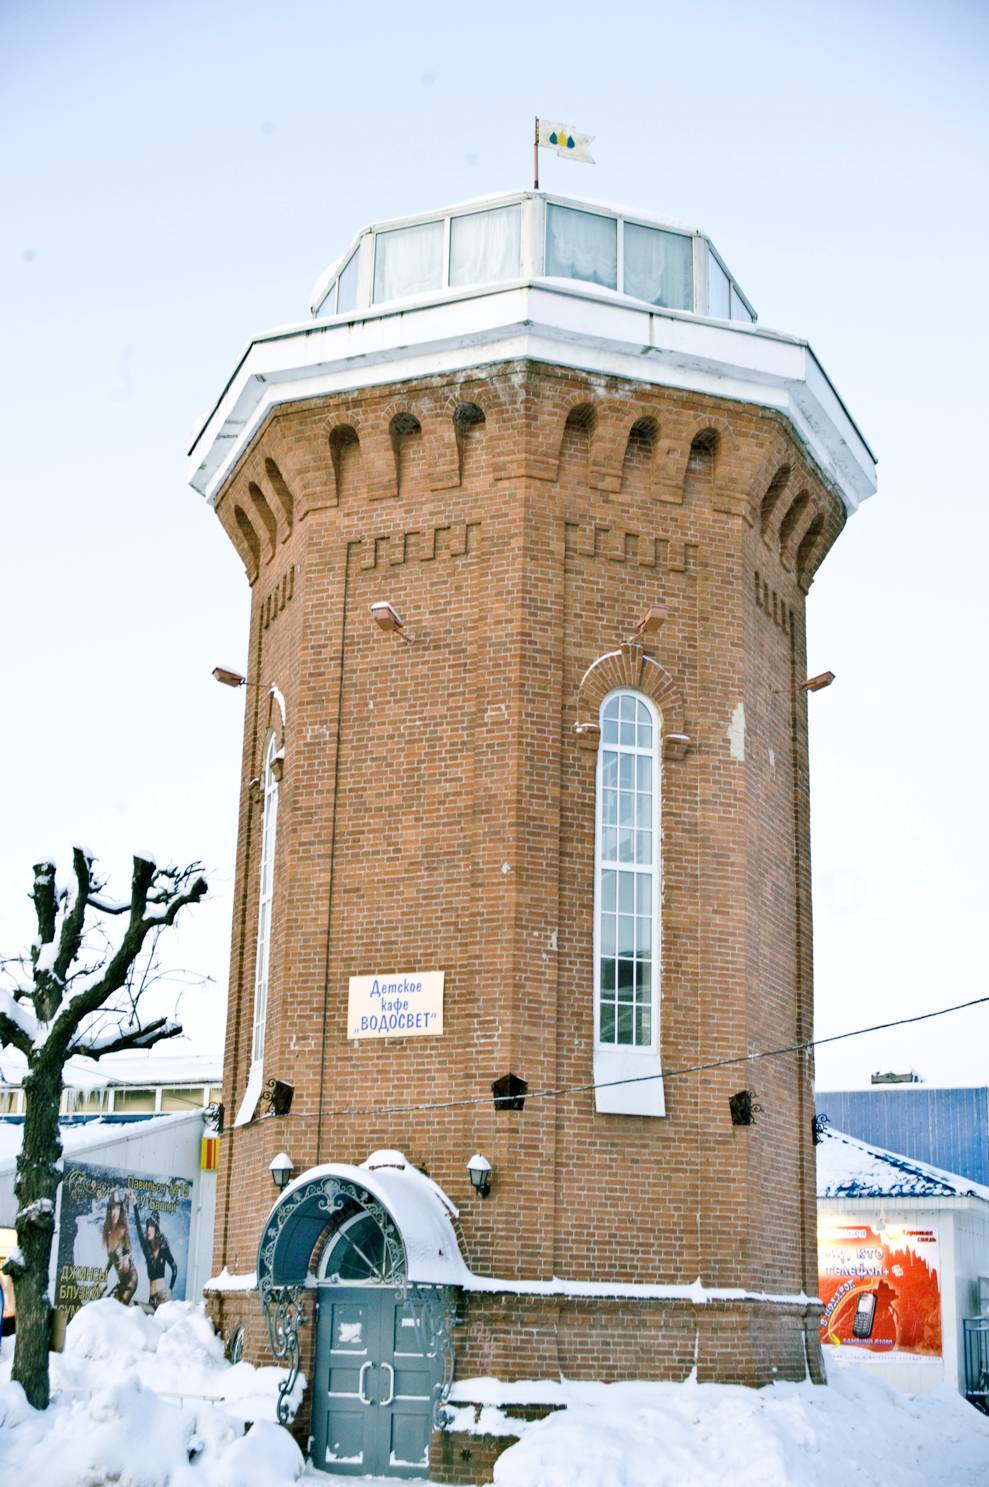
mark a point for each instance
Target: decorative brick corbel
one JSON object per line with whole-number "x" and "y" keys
{"x": 788, "y": 551}
{"x": 609, "y": 440}
{"x": 439, "y": 436}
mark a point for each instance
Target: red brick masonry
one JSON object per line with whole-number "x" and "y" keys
{"x": 437, "y": 813}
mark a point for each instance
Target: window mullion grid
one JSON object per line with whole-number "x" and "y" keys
{"x": 268, "y": 829}
{"x": 640, "y": 957}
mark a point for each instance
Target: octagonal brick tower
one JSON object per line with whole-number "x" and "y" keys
{"x": 522, "y": 424}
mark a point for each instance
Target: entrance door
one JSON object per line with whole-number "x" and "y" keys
{"x": 373, "y": 1383}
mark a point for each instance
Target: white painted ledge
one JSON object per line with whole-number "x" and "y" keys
{"x": 645, "y": 1096}
{"x": 555, "y": 321}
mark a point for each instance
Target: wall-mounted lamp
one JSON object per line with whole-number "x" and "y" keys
{"x": 387, "y": 619}
{"x": 509, "y": 1092}
{"x": 815, "y": 683}
{"x": 652, "y": 621}
{"x": 281, "y": 1168}
{"x": 479, "y": 1172}
{"x": 228, "y": 678}
{"x": 743, "y": 1108}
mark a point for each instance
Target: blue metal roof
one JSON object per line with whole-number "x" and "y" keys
{"x": 949, "y": 1128}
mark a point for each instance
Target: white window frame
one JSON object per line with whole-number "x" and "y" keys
{"x": 618, "y": 1061}
{"x": 266, "y": 893}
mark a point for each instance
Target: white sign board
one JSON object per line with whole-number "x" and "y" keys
{"x": 396, "y": 1006}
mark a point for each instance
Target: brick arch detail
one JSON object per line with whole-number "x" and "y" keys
{"x": 272, "y": 717}
{"x": 629, "y": 667}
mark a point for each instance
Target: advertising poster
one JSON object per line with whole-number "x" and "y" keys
{"x": 881, "y": 1289}
{"x": 122, "y": 1235}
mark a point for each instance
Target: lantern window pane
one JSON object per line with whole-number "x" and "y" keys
{"x": 659, "y": 266}
{"x": 581, "y": 245}
{"x": 347, "y": 284}
{"x": 486, "y": 246}
{"x": 718, "y": 289}
{"x": 408, "y": 260}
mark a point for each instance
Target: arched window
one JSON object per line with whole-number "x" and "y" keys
{"x": 365, "y": 1249}
{"x": 626, "y": 904}
{"x": 268, "y": 830}
{"x": 269, "y": 825}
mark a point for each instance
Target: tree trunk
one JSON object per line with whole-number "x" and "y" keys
{"x": 36, "y": 1187}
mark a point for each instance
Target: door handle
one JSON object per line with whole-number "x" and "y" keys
{"x": 391, "y": 1384}
{"x": 360, "y": 1384}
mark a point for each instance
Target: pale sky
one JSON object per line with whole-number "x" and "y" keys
{"x": 175, "y": 178}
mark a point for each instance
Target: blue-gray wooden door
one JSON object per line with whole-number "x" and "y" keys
{"x": 373, "y": 1383}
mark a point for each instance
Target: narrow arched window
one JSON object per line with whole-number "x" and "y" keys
{"x": 626, "y": 949}
{"x": 268, "y": 829}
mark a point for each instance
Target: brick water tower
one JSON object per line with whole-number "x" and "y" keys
{"x": 529, "y": 509}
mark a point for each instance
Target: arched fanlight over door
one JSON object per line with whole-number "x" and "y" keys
{"x": 365, "y": 1249}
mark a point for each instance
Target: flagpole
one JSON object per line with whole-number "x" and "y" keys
{"x": 535, "y": 156}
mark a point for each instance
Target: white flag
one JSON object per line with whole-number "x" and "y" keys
{"x": 565, "y": 141}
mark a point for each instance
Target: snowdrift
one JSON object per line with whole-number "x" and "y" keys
{"x": 858, "y": 1432}
{"x": 149, "y": 1401}
{"x": 146, "y": 1401}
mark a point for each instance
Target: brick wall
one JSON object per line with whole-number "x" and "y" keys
{"x": 437, "y": 812}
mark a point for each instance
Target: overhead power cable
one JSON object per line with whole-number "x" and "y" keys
{"x": 716, "y": 1063}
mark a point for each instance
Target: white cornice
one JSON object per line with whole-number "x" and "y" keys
{"x": 555, "y": 321}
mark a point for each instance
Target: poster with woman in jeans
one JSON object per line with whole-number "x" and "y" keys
{"x": 122, "y": 1234}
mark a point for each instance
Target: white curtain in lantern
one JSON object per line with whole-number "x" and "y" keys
{"x": 659, "y": 266}
{"x": 581, "y": 245}
{"x": 485, "y": 246}
{"x": 408, "y": 260}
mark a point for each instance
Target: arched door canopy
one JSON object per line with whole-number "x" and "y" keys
{"x": 414, "y": 1213}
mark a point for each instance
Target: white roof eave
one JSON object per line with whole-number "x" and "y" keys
{"x": 548, "y": 320}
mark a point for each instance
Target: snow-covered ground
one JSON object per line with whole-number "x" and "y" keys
{"x": 145, "y": 1401}
{"x": 858, "y": 1432}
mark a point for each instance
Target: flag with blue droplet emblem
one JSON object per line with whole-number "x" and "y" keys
{"x": 565, "y": 141}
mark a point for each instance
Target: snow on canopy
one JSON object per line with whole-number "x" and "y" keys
{"x": 850, "y": 1168}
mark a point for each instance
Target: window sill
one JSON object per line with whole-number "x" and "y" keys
{"x": 645, "y": 1098}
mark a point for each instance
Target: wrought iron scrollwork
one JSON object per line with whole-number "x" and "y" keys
{"x": 332, "y": 1195}
{"x": 283, "y": 1302}
{"x": 435, "y": 1311}
{"x": 285, "y": 1313}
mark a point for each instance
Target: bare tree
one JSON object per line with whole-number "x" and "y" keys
{"x": 76, "y": 992}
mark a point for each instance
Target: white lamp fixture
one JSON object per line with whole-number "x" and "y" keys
{"x": 479, "y": 1172}
{"x": 387, "y": 619}
{"x": 281, "y": 1168}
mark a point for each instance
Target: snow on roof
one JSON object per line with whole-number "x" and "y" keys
{"x": 78, "y": 1136}
{"x": 850, "y": 1168}
{"x": 421, "y": 1211}
{"x": 140, "y": 1068}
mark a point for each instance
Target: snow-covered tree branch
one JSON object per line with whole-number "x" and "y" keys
{"x": 77, "y": 991}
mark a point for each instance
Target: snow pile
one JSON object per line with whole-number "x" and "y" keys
{"x": 856, "y": 1433}
{"x": 147, "y": 1401}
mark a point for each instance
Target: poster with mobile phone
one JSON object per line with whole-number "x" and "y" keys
{"x": 881, "y": 1288}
